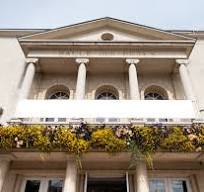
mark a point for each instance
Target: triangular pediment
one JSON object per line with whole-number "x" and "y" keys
{"x": 94, "y": 31}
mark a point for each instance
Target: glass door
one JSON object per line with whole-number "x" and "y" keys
{"x": 169, "y": 185}
{"x": 42, "y": 185}
{"x": 106, "y": 184}
{"x": 179, "y": 185}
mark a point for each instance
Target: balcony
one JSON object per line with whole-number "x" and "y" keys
{"x": 106, "y": 111}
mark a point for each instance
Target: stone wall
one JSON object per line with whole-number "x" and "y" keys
{"x": 196, "y": 71}
{"x": 43, "y": 82}
{"x": 12, "y": 64}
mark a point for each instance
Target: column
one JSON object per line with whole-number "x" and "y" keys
{"x": 28, "y": 78}
{"x": 185, "y": 79}
{"x": 81, "y": 78}
{"x": 142, "y": 184}
{"x": 133, "y": 81}
{"x": 201, "y": 113}
{"x": 4, "y": 167}
{"x": 70, "y": 177}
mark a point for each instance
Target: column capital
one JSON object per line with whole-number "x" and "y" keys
{"x": 82, "y": 60}
{"x": 182, "y": 61}
{"x": 132, "y": 61}
{"x": 32, "y": 60}
{"x": 70, "y": 158}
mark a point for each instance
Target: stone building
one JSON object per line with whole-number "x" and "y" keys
{"x": 107, "y": 72}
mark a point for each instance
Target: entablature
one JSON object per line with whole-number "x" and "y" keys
{"x": 143, "y": 49}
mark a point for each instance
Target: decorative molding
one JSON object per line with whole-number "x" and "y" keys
{"x": 162, "y": 47}
{"x": 32, "y": 60}
{"x": 1, "y": 110}
{"x": 82, "y": 60}
{"x": 201, "y": 110}
{"x": 109, "y": 53}
{"x": 182, "y": 61}
{"x": 132, "y": 61}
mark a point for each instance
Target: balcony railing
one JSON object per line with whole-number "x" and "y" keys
{"x": 106, "y": 111}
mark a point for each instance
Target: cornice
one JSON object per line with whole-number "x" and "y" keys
{"x": 18, "y": 32}
{"x": 186, "y": 45}
{"x": 155, "y": 43}
{"x": 135, "y": 27}
{"x": 103, "y": 42}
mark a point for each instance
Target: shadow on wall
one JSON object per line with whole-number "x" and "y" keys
{"x": 1, "y": 113}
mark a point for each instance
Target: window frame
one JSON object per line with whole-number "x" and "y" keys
{"x": 168, "y": 180}
{"x": 44, "y": 182}
{"x": 55, "y": 89}
{"x": 89, "y": 175}
{"x": 107, "y": 90}
{"x": 155, "y": 89}
{"x": 67, "y": 95}
{"x": 155, "y": 96}
{"x": 112, "y": 95}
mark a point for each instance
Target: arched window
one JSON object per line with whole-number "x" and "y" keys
{"x": 58, "y": 92}
{"x": 107, "y": 93}
{"x": 155, "y": 93}
{"x": 59, "y": 95}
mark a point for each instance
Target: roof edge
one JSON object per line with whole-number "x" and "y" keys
{"x": 113, "y": 19}
{"x": 22, "y": 33}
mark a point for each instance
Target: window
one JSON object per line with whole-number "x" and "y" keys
{"x": 55, "y": 185}
{"x": 58, "y": 92}
{"x": 106, "y": 96}
{"x": 32, "y": 186}
{"x": 106, "y": 183}
{"x": 157, "y": 185}
{"x": 155, "y": 93}
{"x": 59, "y": 95}
{"x": 42, "y": 185}
{"x": 179, "y": 186}
{"x": 153, "y": 96}
{"x": 107, "y": 93}
{"x": 49, "y": 120}
{"x": 169, "y": 185}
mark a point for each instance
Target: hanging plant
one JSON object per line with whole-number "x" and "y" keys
{"x": 105, "y": 139}
{"x": 177, "y": 141}
{"x": 141, "y": 141}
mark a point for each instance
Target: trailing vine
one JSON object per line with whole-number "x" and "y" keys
{"x": 141, "y": 141}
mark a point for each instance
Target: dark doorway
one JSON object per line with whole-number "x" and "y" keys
{"x": 106, "y": 185}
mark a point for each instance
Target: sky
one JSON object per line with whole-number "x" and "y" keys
{"x": 48, "y": 14}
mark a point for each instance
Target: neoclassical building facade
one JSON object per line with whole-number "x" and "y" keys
{"x": 103, "y": 75}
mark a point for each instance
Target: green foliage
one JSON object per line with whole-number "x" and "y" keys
{"x": 141, "y": 141}
{"x": 177, "y": 141}
{"x": 68, "y": 140}
{"x": 200, "y": 137}
{"x": 146, "y": 138}
{"x": 43, "y": 144}
{"x": 41, "y": 138}
{"x": 106, "y": 140}
{"x": 7, "y": 137}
